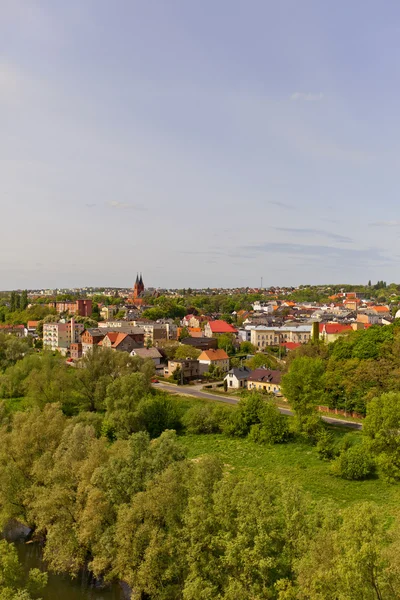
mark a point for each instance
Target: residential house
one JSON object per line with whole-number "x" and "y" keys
{"x": 31, "y": 328}
{"x": 237, "y": 378}
{"x": 381, "y": 311}
{"x": 18, "y": 330}
{"x": 329, "y": 332}
{"x": 190, "y": 321}
{"x": 148, "y": 353}
{"x": 217, "y": 358}
{"x": 108, "y": 312}
{"x": 201, "y": 343}
{"x": 213, "y": 328}
{"x": 368, "y": 317}
{"x": 123, "y": 342}
{"x": 265, "y": 380}
{"x": 91, "y": 338}
{"x": 75, "y": 351}
{"x": 189, "y": 368}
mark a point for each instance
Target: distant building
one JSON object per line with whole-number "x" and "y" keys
{"x": 148, "y": 353}
{"x": 189, "y": 368}
{"x": 237, "y": 378}
{"x": 108, "y": 312}
{"x": 91, "y": 338}
{"x": 261, "y": 336}
{"x": 217, "y": 358}
{"x": 213, "y": 328}
{"x": 83, "y": 308}
{"x": 18, "y": 330}
{"x": 265, "y": 380}
{"x": 201, "y": 343}
{"x": 76, "y": 351}
{"x": 59, "y": 336}
{"x": 123, "y": 342}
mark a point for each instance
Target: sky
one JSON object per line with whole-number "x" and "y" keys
{"x": 202, "y": 143}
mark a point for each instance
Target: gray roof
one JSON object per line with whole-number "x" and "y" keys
{"x": 146, "y": 352}
{"x": 240, "y": 372}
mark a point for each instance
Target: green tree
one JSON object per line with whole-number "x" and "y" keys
{"x": 380, "y": 429}
{"x": 13, "y": 583}
{"x": 226, "y": 341}
{"x": 24, "y": 300}
{"x": 303, "y": 388}
{"x": 354, "y": 463}
{"x": 184, "y": 351}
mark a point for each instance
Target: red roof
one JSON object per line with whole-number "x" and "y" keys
{"x": 221, "y": 327}
{"x": 291, "y": 345}
{"x": 332, "y": 328}
{"x": 12, "y": 327}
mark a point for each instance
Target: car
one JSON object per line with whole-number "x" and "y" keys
{"x": 154, "y": 380}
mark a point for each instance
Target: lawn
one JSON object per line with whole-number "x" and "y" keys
{"x": 297, "y": 463}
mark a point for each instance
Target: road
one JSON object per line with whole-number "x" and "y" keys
{"x": 196, "y": 393}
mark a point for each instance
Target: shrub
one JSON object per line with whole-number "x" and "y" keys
{"x": 354, "y": 463}
{"x": 157, "y": 413}
{"x": 272, "y": 428}
{"x": 206, "y": 418}
{"x": 259, "y": 418}
{"x": 326, "y": 445}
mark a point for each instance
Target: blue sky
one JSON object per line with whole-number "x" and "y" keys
{"x": 203, "y": 143}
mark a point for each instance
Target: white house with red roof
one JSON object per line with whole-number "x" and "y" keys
{"x": 329, "y": 332}
{"x": 218, "y": 327}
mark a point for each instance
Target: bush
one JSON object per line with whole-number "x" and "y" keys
{"x": 273, "y": 426}
{"x": 326, "y": 447}
{"x": 354, "y": 463}
{"x": 207, "y": 418}
{"x": 157, "y": 413}
{"x": 259, "y": 418}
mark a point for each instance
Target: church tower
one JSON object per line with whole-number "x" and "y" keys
{"x": 138, "y": 288}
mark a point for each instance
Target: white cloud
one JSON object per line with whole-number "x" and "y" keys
{"x": 307, "y": 96}
{"x": 386, "y": 224}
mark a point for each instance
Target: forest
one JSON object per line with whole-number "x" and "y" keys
{"x": 92, "y": 460}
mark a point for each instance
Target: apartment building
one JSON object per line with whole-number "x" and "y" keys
{"x": 81, "y": 307}
{"x": 261, "y": 336}
{"x": 60, "y": 336}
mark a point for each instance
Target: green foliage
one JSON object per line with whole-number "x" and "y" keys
{"x": 259, "y": 418}
{"x": 262, "y": 359}
{"x": 157, "y": 413}
{"x": 13, "y": 583}
{"x": 381, "y": 430}
{"x": 247, "y": 348}
{"x": 226, "y": 341}
{"x": 326, "y": 446}
{"x": 206, "y": 418}
{"x": 354, "y": 463}
{"x": 303, "y": 387}
{"x": 184, "y": 351}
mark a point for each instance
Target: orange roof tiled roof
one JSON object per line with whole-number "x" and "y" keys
{"x": 381, "y": 309}
{"x": 213, "y": 355}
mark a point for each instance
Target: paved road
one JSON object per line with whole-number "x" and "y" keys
{"x": 189, "y": 391}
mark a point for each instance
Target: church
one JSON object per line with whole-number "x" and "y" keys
{"x": 138, "y": 291}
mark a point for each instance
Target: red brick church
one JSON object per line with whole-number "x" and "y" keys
{"x": 138, "y": 291}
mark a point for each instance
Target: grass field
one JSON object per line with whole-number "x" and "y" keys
{"x": 296, "y": 462}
